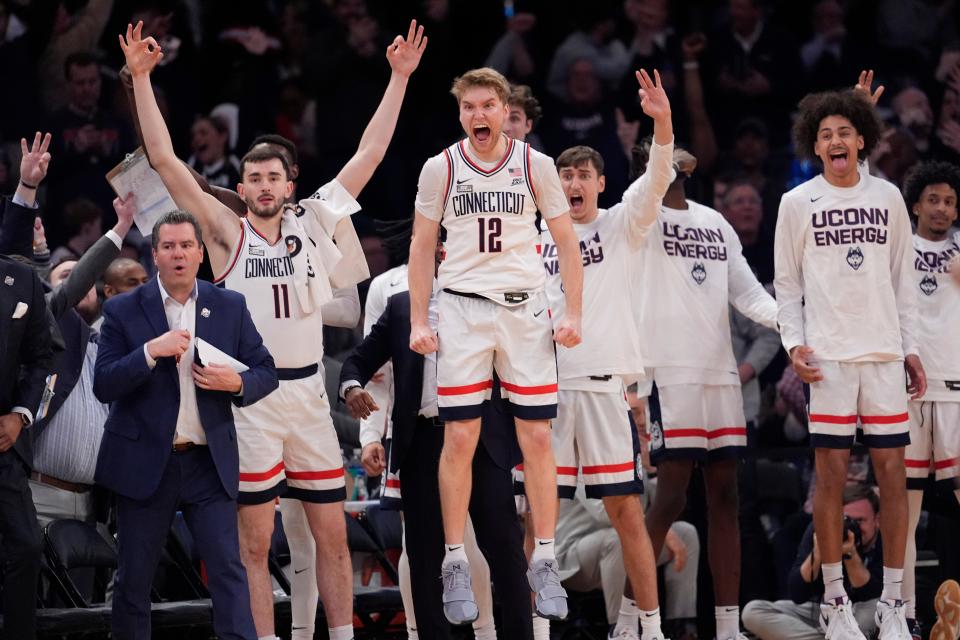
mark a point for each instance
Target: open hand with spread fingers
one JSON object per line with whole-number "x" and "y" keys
{"x": 404, "y": 54}
{"x": 142, "y": 54}
{"x": 864, "y": 86}
{"x": 653, "y": 98}
{"x": 35, "y": 160}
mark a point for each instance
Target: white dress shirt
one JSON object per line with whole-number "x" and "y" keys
{"x": 183, "y": 316}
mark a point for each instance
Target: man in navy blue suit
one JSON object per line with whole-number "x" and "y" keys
{"x": 169, "y": 441}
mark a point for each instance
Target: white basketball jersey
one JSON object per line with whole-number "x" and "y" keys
{"x": 263, "y": 272}
{"x": 489, "y": 213}
{"x": 938, "y": 307}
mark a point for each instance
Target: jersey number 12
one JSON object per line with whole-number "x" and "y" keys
{"x": 490, "y": 229}
{"x": 281, "y": 301}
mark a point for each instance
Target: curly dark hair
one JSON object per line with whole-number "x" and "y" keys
{"x": 522, "y": 96}
{"x": 848, "y": 104}
{"x": 925, "y": 174}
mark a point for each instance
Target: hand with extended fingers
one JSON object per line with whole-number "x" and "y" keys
{"x": 34, "y": 160}
{"x": 404, "y": 54}
{"x": 864, "y": 87}
{"x": 142, "y": 54}
{"x": 653, "y": 99}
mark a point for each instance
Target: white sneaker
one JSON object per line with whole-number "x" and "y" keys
{"x": 623, "y": 633}
{"x": 739, "y": 636}
{"x": 891, "y": 620}
{"x": 837, "y": 621}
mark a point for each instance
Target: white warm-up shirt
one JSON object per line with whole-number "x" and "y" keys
{"x": 844, "y": 278}
{"x": 609, "y": 246}
{"x": 938, "y": 306}
{"x": 693, "y": 268}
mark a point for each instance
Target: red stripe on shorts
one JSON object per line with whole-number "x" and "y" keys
{"x": 900, "y": 417}
{"x": 529, "y": 391}
{"x": 917, "y": 464}
{"x": 465, "y": 389}
{"x": 610, "y": 468}
{"x": 264, "y": 475}
{"x": 828, "y": 419}
{"x": 393, "y": 483}
{"x": 328, "y": 474}
{"x": 943, "y": 464}
{"x": 704, "y": 433}
{"x": 566, "y": 471}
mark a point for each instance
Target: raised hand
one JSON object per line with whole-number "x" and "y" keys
{"x": 864, "y": 87}
{"x": 404, "y": 54}
{"x": 142, "y": 54}
{"x": 653, "y": 99}
{"x": 35, "y": 160}
{"x": 125, "y": 208}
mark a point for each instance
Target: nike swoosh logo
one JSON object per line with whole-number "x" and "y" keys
{"x": 542, "y": 543}
{"x": 537, "y": 314}
{"x": 394, "y": 283}
{"x": 298, "y": 572}
{"x": 455, "y": 548}
{"x": 731, "y": 609}
{"x": 650, "y": 615}
{"x": 815, "y": 199}
{"x": 464, "y": 180}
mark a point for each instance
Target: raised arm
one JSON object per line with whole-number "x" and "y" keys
{"x": 703, "y": 140}
{"x": 229, "y": 198}
{"x": 219, "y": 224}
{"x": 403, "y": 56}
{"x": 643, "y": 198}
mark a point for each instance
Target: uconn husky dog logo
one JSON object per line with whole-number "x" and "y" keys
{"x": 699, "y": 272}
{"x": 855, "y": 258}
{"x": 929, "y": 284}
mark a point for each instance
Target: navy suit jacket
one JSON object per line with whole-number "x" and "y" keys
{"x": 390, "y": 339}
{"x": 144, "y": 402}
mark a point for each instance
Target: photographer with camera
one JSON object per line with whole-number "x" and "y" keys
{"x": 799, "y": 617}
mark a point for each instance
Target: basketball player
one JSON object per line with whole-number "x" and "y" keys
{"x": 285, "y": 263}
{"x": 930, "y": 191}
{"x": 592, "y": 432}
{"x": 692, "y": 270}
{"x": 847, "y": 300}
{"x": 486, "y": 190}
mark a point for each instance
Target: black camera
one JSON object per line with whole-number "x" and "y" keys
{"x": 852, "y": 526}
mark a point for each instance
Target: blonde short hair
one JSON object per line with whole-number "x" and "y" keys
{"x": 482, "y": 77}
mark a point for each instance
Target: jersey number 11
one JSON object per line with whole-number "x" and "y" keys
{"x": 281, "y": 301}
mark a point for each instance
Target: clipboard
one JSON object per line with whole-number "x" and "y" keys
{"x": 135, "y": 175}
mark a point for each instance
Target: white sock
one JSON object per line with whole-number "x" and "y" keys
{"x": 454, "y": 552}
{"x": 628, "y": 615}
{"x": 412, "y": 634}
{"x": 543, "y": 550}
{"x": 486, "y": 632}
{"x": 832, "y": 581}
{"x": 728, "y": 622}
{"x": 301, "y": 633}
{"x": 268, "y": 638}
{"x": 341, "y": 633}
{"x": 541, "y": 628}
{"x": 650, "y": 624}
{"x": 892, "y": 581}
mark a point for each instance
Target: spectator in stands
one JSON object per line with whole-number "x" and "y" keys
{"x": 754, "y": 71}
{"x": 594, "y": 43}
{"x": 211, "y": 158}
{"x": 67, "y": 436}
{"x": 827, "y": 57}
{"x": 894, "y": 155}
{"x": 511, "y": 55}
{"x": 799, "y": 617}
{"x": 88, "y": 140}
{"x": 82, "y": 220}
{"x": 586, "y": 117}
{"x": 17, "y": 66}
{"x": 948, "y": 120}
{"x": 913, "y": 110}
{"x": 742, "y": 206}
{"x": 72, "y": 28}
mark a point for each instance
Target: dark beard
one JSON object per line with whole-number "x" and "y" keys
{"x": 267, "y": 213}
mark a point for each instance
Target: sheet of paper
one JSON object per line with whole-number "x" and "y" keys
{"x": 135, "y": 175}
{"x": 209, "y": 354}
